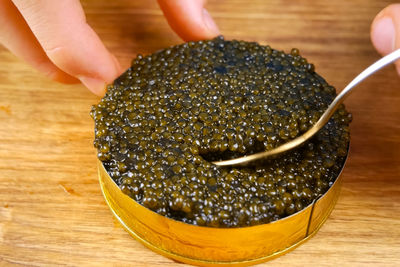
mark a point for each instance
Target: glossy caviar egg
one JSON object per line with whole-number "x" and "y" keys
{"x": 172, "y": 112}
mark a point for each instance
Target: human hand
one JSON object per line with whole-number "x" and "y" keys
{"x": 53, "y": 37}
{"x": 385, "y": 31}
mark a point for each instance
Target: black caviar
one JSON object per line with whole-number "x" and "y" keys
{"x": 172, "y": 112}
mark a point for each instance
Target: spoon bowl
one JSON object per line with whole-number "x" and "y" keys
{"x": 388, "y": 59}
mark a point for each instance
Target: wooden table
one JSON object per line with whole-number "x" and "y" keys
{"x": 51, "y": 208}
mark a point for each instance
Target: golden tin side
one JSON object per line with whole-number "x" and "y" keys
{"x": 215, "y": 246}
{"x": 324, "y": 206}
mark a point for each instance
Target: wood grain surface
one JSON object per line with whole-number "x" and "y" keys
{"x": 51, "y": 208}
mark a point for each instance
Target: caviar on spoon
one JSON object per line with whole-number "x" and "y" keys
{"x": 390, "y": 58}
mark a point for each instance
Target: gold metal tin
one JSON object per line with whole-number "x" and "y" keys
{"x": 207, "y": 246}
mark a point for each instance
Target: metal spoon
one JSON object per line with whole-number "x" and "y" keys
{"x": 322, "y": 120}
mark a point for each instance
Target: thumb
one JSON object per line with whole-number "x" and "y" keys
{"x": 385, "y": 31}
{"x": 189, "y": 19}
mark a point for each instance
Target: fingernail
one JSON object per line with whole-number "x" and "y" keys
{"x": 97, "y": 86}
{"x": 383, "y": 35}
{"x": 117, "y": 65}
{"x": 209, "y": 22}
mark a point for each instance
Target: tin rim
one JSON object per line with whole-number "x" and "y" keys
{"x": 207, "y": 246}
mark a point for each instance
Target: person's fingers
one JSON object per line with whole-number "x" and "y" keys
{"x": 16, "y": 36}
{"x": 385, "y": 31}
{"x": 189, "y": 19}
{"x": 69, "y": 42}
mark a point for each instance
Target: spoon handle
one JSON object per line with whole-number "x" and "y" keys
{"x": 322, "y": 120}
{"x": 360, "y": 77}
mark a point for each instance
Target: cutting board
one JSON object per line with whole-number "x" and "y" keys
{"x": 51, "y": 208}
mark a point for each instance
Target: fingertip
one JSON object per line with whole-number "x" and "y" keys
{"x": 96, "y": 86}
{"x": 210, "y": 24}
{"x": 69, "y": 42}
{"x": 385, "y": 29}
{"x": 189, "y": 19}
{"x": 118, "y": 67}
{"x": 383, "y": 34}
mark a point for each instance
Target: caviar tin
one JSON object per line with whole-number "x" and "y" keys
{"x": 207, "y": 246}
